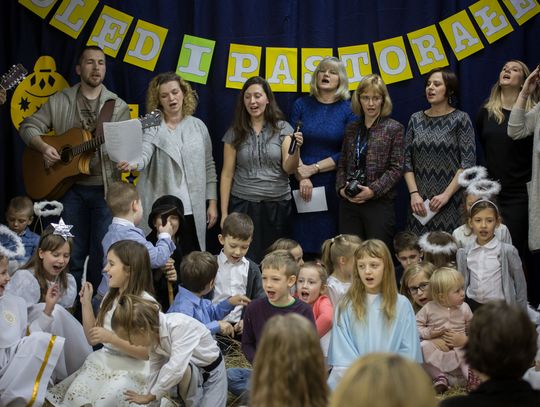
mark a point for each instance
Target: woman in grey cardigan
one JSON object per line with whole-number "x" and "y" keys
{"x": 520, "y": 125}
{"x": 177, "y": 159}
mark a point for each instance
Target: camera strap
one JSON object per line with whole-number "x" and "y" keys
{"x": 361, "y": 146}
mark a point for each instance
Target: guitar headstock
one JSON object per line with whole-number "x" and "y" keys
{"x": 12, "y": 77}
{"x": 151, "y": 119}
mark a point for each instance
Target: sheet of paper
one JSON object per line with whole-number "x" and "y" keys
{"x": 429, "y": 214}
{"x": 123, "y": 140}
{"x": 317, "y": 203}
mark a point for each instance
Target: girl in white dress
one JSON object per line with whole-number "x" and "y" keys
{"x": 118, "y": 366}
{"x": 28, "y": 357}
{"x": 48, "y": 267}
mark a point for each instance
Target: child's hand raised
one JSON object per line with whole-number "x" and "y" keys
{"x": 239, "y": 300}
{"x": 51, "y": 299}
{"x": 86, "y": 292}
{"x": 226, "y": 328}
{"x": 167, "y": 228}
{"x": 99, "y": 334}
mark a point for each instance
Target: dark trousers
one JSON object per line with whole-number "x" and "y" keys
{"x": 272, "y": 220}
{"x": 375, "y": 219}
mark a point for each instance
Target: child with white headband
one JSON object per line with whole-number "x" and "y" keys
{"x": 477, "y": 187}
{"x": 492, "y": 269}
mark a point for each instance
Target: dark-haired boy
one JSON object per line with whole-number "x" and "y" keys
{"x": 407, "y": 251}
{"x": 236, "y": 274}
{"x": 198, "y": 270}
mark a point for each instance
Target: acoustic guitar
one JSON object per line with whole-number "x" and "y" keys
{"x": 76, "y": 148}
{"x": 12, "y": 77}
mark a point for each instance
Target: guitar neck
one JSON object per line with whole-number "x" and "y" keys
{"x": 89, "y": 145}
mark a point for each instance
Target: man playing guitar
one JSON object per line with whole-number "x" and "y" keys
{"x": 84, "y": 205}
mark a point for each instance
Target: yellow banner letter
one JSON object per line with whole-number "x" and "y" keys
{"x": 244, "y": 62}
{"x": 110, "y": 30}
{"x": 310, "y": 59}
{"x": 72, "y": 16}
{"x": 427, "y": 49}
{"x": 145, "y": 45}
{"x": 39, "y": 7}
{"x": 357, "y": 63}
{"x": 522, "y": 10}
{"x": 491, "y": 19}
{"x": 392, "y": 59}
{"x": 282, "y": 68}
{"x": 461, "y": 35}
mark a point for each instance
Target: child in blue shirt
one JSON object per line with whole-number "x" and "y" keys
{"x": 198, "y": 271}
{"x": 19, "y": 215}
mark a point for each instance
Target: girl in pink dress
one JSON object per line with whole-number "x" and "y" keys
{"x": 443, "y": 324}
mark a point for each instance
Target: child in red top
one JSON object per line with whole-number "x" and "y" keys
{"x": 311, "y": 288}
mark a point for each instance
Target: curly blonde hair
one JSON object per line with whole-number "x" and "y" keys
{"x": 152, "y": 94}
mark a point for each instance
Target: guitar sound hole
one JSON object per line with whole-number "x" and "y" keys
{"x": 66, "y": 155}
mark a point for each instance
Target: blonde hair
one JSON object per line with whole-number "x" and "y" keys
{"x": 371, "y": 82}
{"x": 279, "y": 259}
{"x": 120, "y": 195}
{"x": 342, "y": 92}
{"x": 136, "y": 315}
{"x": 384, "y": 380}
{"x": 189, "y": 103}
{"x": 339, "y": 246}
{"x": 298, "y": 380}
{"x": 442, "y": 281}
{"x": 494, "y": 105}
{"x": 356, "y": 296}
{"x": 283, "y": 243}
{"x": 410, "y": 272}
{"x": 319, "y": 267}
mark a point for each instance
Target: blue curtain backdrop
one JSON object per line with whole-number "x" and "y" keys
{"x": 276, "y": 23}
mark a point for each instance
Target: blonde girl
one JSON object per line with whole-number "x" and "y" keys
{"x": 107, "y": 372}
{"x": 415, "y": 284}
{"x": 443, "y": 324}
{"x": 278, "y": 380}
{"x": 384, "y": 380}
{"x": 338, "y": 258}
{"x": 311, "y": 287}
{"x": 492, "y": 269}
{"x": 181, "y": 351}
{"x": 372, "y": 317}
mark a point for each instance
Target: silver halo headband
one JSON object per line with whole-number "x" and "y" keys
{"x": 485, "y": 200}
{"x": 427, "y": 247}
{"x": 40, "y": 211}
{"x": 18, "y": 251}
{"x": 470, "y": 175}
{"x": 484, "y": 189}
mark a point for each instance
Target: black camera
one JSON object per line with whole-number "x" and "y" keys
{"x": 355, "y": 184}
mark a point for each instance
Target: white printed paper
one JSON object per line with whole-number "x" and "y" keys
{"x": 316, "y": 204}
{"x": 123, "y": 140}
{"x": 429, "y": 214}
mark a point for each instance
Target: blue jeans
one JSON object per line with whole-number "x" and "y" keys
{"x": 238, "y": 381}
{"x": 85, "y": 208}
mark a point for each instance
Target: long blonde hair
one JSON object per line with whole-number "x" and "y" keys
{"x": 384, "y": 380}
{"x": 494, "y": 103}
{"x": 340, "y": 246}
{"x": 289, "y": 367}
{"x": 356, "y": 296}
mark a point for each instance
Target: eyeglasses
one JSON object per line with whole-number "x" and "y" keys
{"x": 367, "y": 99}
{"x": 422, "y": 287}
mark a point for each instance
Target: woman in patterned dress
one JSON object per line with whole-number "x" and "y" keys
{"x": 440, "y": 144}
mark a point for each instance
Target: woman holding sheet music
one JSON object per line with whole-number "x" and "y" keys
{"x": 371, "y": 164}
{"x": 439, "y": 146}
{"x": 177, "y": 159}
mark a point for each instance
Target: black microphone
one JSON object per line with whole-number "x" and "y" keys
{"x": 292, "y": 146}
